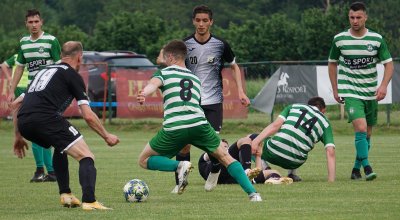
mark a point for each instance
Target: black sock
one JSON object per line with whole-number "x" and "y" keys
{"x": 87, "y": 179}
{"x": 215, "y": 165}
{"x": 367, "y": 170}
{"x": 60, "y": 164}
{"x": 245, "y": 156}
{"x": 181, "y": 157}
{"x": 260, "y": 178}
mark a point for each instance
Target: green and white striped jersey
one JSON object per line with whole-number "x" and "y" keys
{"x": 33, "y": 54}
{"x": 357, "y": 57}
{"x": 304, "y": 126}
{"x": 181, "y": 93}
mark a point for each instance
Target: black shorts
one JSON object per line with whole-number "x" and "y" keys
{"x": 205, "y": 169}
{"x": 214, "y": 115}
{"x": 48, "y": 131}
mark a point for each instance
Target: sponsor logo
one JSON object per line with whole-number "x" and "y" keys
{"x": 41, "y": 49}
{"x": 34, "y": 65}
{"x": 210, "y": 59}
{"x": 191, "y": 49}
{"x": 285, "y": 91}
{"x": 370, "y": 48}
{"x": 358, "y": 63}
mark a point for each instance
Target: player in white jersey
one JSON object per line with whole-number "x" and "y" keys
{"x": 184, "y": 123}
{"x": 287, "y": 141}
{"x": 357, "y": 52}
{"x": 206, "y": 55}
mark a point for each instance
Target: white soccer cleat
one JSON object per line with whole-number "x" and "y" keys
{"x": 255, "y": 197}
{"x": 277, "y": 181}
{"x": 212, "y": 181}
{"x": 175, "y": 190}
{"x": 184, "y": 168}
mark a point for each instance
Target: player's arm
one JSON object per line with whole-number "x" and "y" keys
{"x": 332, "y": 69}
{"x": 20, "y": 144}
{"x": 6, "y": 70}
{"x": 15, "y": 80}
{"x": 94, "y": 122}
{"x": 238, "y": 80}
{"x": 149, "y": 89}
{"x": 382, "y": 89}
{"x": 256, "y": 146}
{"x": 331, "y": 163}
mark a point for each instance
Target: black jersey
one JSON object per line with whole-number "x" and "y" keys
{"x": 206, "y": 61}
{"x": 52, "y": 91}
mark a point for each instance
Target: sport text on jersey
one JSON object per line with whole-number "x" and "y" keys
{"x": 35, "y": 65}
{"x": 359, "y": 63}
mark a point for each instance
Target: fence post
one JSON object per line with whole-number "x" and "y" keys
{"x": 110, "y": 111}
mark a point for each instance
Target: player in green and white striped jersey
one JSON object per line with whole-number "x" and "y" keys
{"x": 36, "y": 50}
{"x": 184, "y": 123}
{"x": 357, "y": 51}
{"x": 287, "y": 141}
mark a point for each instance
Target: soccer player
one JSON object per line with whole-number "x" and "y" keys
{"x": 40, "y": 120}
{"x": 287, "y": 141}
{"x": 206, "y": 56}
{"x": 36, "y": 50}
{"x": 184, "y": 123}
{"x": 242, "y": 153}
{"x": 357, "y": 51}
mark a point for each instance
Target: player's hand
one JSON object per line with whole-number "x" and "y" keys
{"x": 20, "y": 146}
{"x": 338, "y": 98}
{"x": 140, "y": 97}
{"x": 381, "y": 93}
{"x": 111, "y": 140}
{"x": 244, "y": 99}
{"x": 256, "y": 148}
{"x": 10, "y": 98}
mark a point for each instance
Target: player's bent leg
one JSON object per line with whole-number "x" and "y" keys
{"x": 235, "y": 169}
{"x": 146, "y": 153}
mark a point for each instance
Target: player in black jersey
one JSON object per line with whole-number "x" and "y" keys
{"x": 40, "y": 120}
{"x": 206, "y": 55}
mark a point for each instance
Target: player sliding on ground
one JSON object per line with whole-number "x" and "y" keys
{"x": 184, "y": 123}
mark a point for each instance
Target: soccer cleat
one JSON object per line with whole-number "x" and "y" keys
{"x": 212, "y": 181}
{"x": 252, "y": 173}
{"x": 38, "y": 177}
{"x": 355, "y": 174}
{"x": 280, "y": 180}
{"x": 94, "y": 206}
{"x": 184, "y": 168}
{"x": 50, "y": 178}
{"x": 69, "y": 200}
{"x": 175, "y": 190}
{"x": 370, "y": 176}
{"x": 294, "y": 177}
{"x": 255, "y": 197}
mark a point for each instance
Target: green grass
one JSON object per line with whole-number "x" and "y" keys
{"x": 313, "y": 198}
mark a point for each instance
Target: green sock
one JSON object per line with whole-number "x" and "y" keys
{"x": 369, "y": 143}
{"x": 235, "y": 169}
{"x": 362, "y": 148}
{"x": 162, "y": 164}
{"x": 38, "y": 154}
{"x": 48, "y": 160}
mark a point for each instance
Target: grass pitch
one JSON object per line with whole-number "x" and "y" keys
{"x": 313, "y": 198}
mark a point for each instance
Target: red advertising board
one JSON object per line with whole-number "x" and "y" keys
{"x": 129, "y": 82}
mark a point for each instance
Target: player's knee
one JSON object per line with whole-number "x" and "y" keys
{"x": 244, "y": 140}
{"x": 142, "y": 162}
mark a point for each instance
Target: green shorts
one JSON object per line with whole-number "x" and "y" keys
{"x": 358, "y": 108}
{"x": 275, "y": 159}
{"x": 169, "y": 143}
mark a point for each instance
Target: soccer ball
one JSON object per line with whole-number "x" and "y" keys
{"x": 136, "y": 190}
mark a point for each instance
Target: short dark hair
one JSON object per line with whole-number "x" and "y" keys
{"x": 317, "y": 102}
{"x": 357, "y": 6}
{"x": 31, "y": 13}
{"x": 177, "y": 48}
{"x": 202, "y": 9}
{"x": 71, "y": 49}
